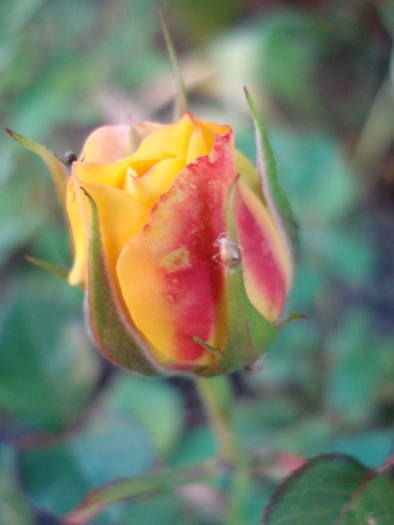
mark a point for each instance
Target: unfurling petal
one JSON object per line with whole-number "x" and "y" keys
{"x": 266, "y": 268}
{"x": 171, "y": 284}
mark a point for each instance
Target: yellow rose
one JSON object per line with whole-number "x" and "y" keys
{"x": 185, "y": 267}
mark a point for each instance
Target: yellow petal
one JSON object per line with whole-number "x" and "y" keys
{"x": 155, "y": 181}
{"x": 248, "y": 173}
{"x": 121, "y": 217}
{"x": 203, "y": 139}
{"x": 170, "y": 141}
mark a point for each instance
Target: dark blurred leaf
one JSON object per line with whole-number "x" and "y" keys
{"x": 48, "y": 370}
{"x": 332, "y": 489}
{"x": 59, "y": 476}
{"x": 386, "y": 10}
{"x": 14, "y": 509}
{"x": 197, "y": 21}
{"x": 156, "y": 403}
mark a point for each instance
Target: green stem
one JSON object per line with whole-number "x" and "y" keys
{"x": 139, "y": 487}
{"x": 215, "y": 393}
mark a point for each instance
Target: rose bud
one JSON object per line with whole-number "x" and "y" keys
{"x": 186, "y": 252}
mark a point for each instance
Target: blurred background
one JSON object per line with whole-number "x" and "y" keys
{"x": 322, "y": 75}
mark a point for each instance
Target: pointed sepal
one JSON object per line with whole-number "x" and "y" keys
{"x": 113, "y": 332}
{"x": 180, "y": 106}
{"x": 249, "y": 334}
{"x": 291, "y": 317}
{"x": 276, "y": 200}
{"x": 48, "y": 267}
{"x": 58, "y": 169}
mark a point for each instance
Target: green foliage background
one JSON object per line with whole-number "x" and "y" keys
{"x": 320, "y": 73}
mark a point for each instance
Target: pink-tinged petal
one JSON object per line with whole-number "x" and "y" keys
{"x": 108, "y": 144}
{"x": 266, "y": 268}
{"x": 139, "y": 132}
{"x": 172, "y": 286}
{"x": 122, "y": 216}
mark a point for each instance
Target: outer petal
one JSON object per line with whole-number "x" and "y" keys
{"x": 122, "y": 217}
{"x": 111, "y": 143}
{"x": 275, "y": 198}
{"x": 248, "y": 173}
{"x": 172, "y": 286}
{"x": 266, "y": 267}
{"x": 114, "y": 333}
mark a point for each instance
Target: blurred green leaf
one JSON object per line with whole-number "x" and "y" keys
{"x": 19, "y": 217}
{"x": 15, "y": 14}
{"x": 289, "y": 49}
{"x": 332, "y": 489}
{"x": 258, "y": 420}
{"x": 156, "y": 403}
{"x": 48, "y": 370}
{"x": 374, "y": 504}
{"x": 302, "y": 436}
{"x": 312, "y": 171}
{"x": 357, "y": 367}
{"x": 342, "y": 252}
{"x": 14, "y": 509}
{"x": 58, "y": 477}
{"x": 198, "y": 445}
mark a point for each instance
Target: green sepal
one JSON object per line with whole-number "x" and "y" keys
{"x": 48, "y": 267}
{"x": 276, "y": 200}
{"x": 115, "y": 335}
{"x": 180, "y": 105}
{"x": 291, "y": 317}
{"x": 57, "y": 168}
{"x": 249, "y": 333}
{"x": 205, "y": 345}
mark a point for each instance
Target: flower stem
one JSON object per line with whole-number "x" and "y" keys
{"x": 215, "y": 394}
